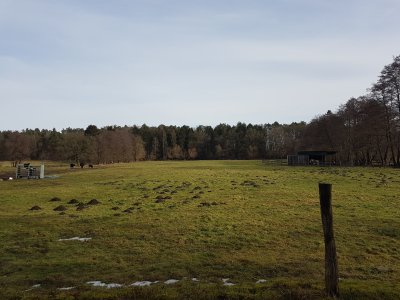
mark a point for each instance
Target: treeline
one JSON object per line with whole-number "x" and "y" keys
{"x": 363, "y": 131}
{"x": 124, "y": 144}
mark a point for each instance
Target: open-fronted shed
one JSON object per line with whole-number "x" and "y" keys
{"x": 313, "y": 157}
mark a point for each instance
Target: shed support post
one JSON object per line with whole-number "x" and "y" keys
{"x": 41, "y": 176}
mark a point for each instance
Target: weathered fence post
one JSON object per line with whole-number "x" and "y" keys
{"x": 331, "y": 268}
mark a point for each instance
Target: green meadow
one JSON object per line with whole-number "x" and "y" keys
{"x": 257, "y": 226}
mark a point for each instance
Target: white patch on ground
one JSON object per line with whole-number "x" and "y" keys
{"x": 143, "y": 283}
{"x": 97, "y": 283}
{"x": 171, "y": 281}
{"x": 113, "y": 285}
{"x": 66, "y": 288}
{"x": 76, "y": 238}
{"x": 261, "y": 281}
{"x": 35, "y": 286}
{"x": 195, "y": 279}
{"x": 226, "y": 283}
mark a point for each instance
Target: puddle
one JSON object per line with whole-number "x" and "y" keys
{"x": 76, "y": 238}
{"x": 226, "y": 283}
{"x": 171, "y": 281}
{"x": 195, "y": 279}
{"x": 97, "y": 283}
{"x": 66, "y": 288}
{"x": 143, "y": 283}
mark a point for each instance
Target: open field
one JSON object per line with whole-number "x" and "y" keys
{"x": 209, "y": 220}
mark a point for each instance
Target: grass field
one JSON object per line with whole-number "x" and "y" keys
{"x": 209, "y": 220}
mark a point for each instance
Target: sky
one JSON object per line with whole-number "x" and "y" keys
{"x": 71, "y": 63}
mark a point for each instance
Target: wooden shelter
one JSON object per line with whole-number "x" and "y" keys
{"x": 313, "y": 157}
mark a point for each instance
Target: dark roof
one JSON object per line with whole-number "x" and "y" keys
{"x": 315, "y": 152}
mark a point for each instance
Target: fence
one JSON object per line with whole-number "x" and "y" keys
{"x": 29, "y": 172}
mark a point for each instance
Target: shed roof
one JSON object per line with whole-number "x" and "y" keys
{"x": 317, "y": 152}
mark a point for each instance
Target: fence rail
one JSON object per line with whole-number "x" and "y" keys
{"x": 275, "y": 162}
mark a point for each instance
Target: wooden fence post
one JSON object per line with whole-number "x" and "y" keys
{"x": 331, "y": 268}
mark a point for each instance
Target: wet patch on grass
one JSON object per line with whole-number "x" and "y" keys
{"x": 393, "y": 232}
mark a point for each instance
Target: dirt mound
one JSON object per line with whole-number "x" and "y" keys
{"x": 73, "y": 201}
{"x": 55, "y": 199}
{"x": 249, "y": 183}
{"x": 35, "y": 208}
{"x": 160, "y": 198}
{"x": 208, "y": 204}
{"x": 60, "y": 208}
{"x": 81, "y": 206}
{"x": 93, "y": 202}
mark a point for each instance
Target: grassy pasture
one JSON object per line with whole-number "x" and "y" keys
{"x": 210, "y": 220}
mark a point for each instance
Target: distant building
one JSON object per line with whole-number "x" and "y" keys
{"x": 314, "y": 157}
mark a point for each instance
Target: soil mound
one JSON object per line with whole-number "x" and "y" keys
{"x": 93, "y": 202}
{"x": 35, "y": 208}
{"x": 55, "y": 199}
{"x": 81, "y": 206}
{"x": 73, "y": 201}
{"x": 60, "y": 208}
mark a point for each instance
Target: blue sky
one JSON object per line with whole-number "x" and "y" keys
{"x": 80, "y": 62}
